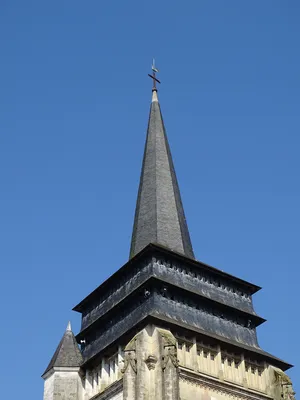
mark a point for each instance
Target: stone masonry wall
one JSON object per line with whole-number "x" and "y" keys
{"x": 157, "y": 365}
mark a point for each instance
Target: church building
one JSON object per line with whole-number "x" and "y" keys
{"x": 165, "y": 326}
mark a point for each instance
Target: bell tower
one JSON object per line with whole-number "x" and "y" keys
{"x": 165, "y": 326}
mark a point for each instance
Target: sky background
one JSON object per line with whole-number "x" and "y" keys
{"x": 74, "y": 104}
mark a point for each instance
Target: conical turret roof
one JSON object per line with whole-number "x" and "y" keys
{"x": 159, "y": 215}
{"x": 67, "y": 353}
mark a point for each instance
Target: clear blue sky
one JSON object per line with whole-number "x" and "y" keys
{"x": 74, "y": 103}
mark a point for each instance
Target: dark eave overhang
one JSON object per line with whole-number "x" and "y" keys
{"x": 168, "y": 323}
{"x": 156, "y": 249}
{"x": 256, "y": 319}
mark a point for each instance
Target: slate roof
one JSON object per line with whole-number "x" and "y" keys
{"x": 67, "y": 353}
{"x": 162, "y": 283}
{"x": 159, "y": 215}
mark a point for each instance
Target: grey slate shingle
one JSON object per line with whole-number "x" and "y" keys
{"x": 67, "y": 353}
{"x": 159, "y": 216}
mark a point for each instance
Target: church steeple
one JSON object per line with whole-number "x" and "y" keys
{"x": 159, "y": 215}
{"x": 164, "y": 325}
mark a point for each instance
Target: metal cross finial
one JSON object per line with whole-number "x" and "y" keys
{"x": 153, "y": 76}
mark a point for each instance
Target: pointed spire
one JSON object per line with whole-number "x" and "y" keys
{"x": 67, "y": 353}
{"x": 154, "y": 95}
{"x": 159, "y": 214}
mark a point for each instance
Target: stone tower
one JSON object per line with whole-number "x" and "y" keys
{"x": 165, "y": 326}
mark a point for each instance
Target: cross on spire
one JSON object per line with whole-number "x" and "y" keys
{"x": 153, "y": 76}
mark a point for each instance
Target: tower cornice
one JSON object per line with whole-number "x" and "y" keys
{"x": 151, "y": 250}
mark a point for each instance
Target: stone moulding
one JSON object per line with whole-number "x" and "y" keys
{"x": 215, "y": 385}
{"x": 170, "y": 355}
{"x": 130, "y": 355}
{"x": 129, "y": 360}
{"x": 150, "y": 362}
{"x": 110, "y": 391}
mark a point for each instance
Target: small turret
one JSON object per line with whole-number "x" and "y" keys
{"x": 62, "y": 379}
